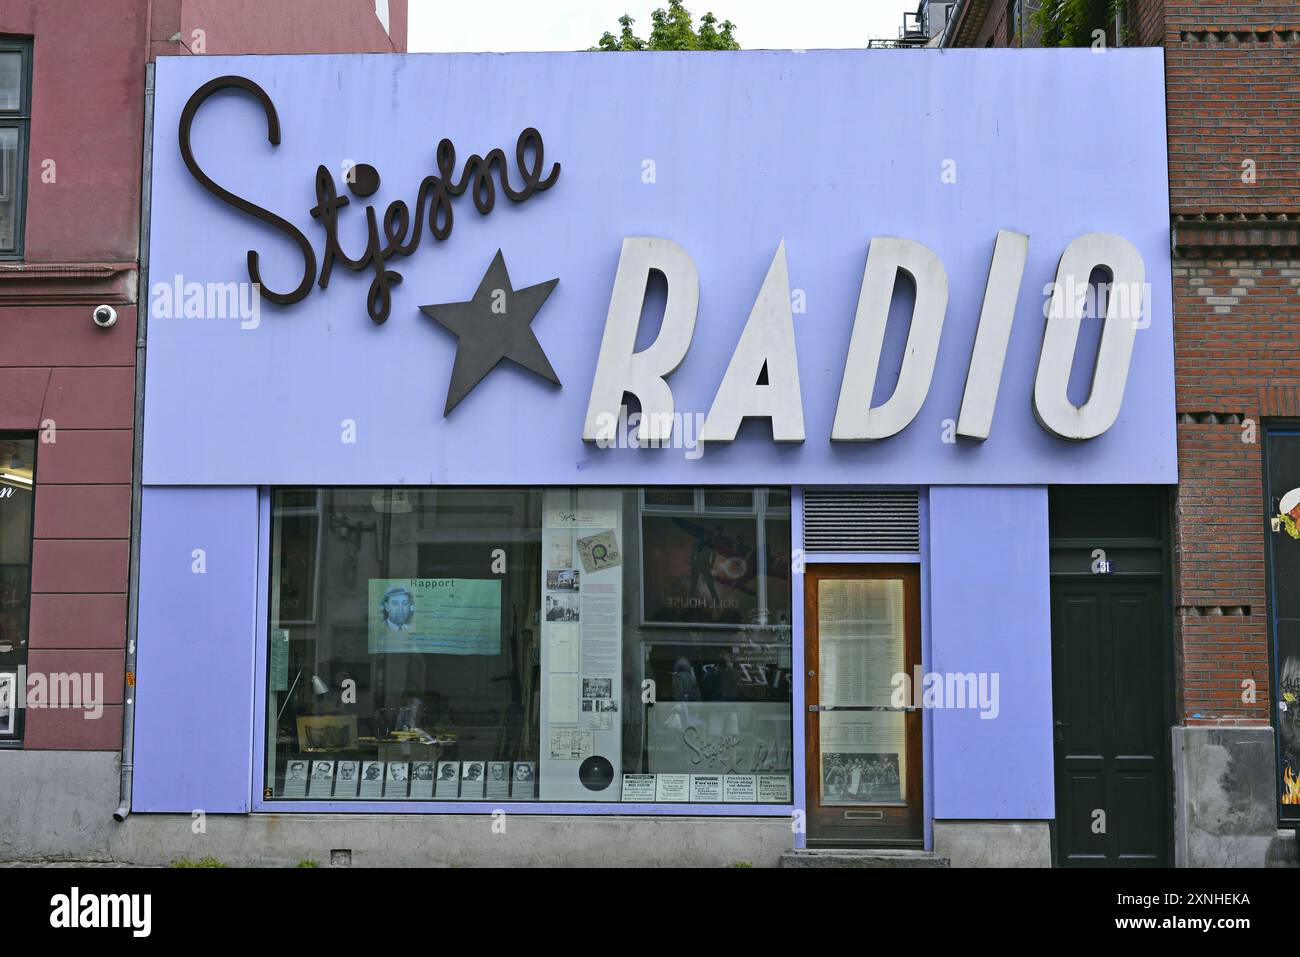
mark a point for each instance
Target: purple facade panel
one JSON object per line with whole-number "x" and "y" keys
{"x": 990, "y": 616}
{"x": 197, "y": 637}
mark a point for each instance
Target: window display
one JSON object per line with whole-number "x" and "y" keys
{"x": 17, "y": 474}
{"x": 555, "y": 645}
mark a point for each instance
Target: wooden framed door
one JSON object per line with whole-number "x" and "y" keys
{"x": 862, "y": 627}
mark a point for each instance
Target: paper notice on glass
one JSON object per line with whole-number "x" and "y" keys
{"x": 565, "y": 647}
{"x": 706, "y": 788}
{"x": 601, "y": 648}
{"x": 449, "y": 616}
{"x": 447, "y": 786}
{"x": 597, "y": 713}
{"x": 863, "y": 757}
{"x": 295, "y": 778}
{"x": 322, "y": 779}
{"x": 863, "y": 730}
{"x": 279, "y": 666}
{"x": 346, "y": 779}
{"x": 569, "y": 744}
{"x": 581, "y": 625}
{"x": 601, "y": 618}
{"x": 861, "y": 641}
{"x": 639, "y": 788}
{"x": 562, "y": 698}
{"x": 422, "y": 780}
{"x": 372, "y": 779}
{"x": 599, "y": 551}
{"x": 524, "y": 784}
{"x": 498, "y": 780}
{"x": 740, "y": 788}
{"x": 581, "y": 517}
{"x": 773, "y": 789}
{"x": 673, "y": 787}
{"x": 396, "y": 780}
{"x": 471, "y": 780}
{"x": 559, "y": 550}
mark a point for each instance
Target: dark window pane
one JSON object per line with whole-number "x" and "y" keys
{"x": 17, "y": 473}
{"x": 732, "y": 498}
{"x": 11, "y": 145}
{"x": 11, "y": 81}
{"x": 680, "y": 498}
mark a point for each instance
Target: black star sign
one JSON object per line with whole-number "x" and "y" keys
{"x": 496, "y": 324}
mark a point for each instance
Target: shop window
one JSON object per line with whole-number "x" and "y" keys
{"x": 517, "y": 644}
{"x": 17, "y": 471}
{"x": 15, "y": 122}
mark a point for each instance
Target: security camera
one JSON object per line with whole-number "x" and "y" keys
{"x": 104, "y": 316}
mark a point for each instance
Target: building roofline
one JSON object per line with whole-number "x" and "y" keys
{"x": 958, "y": 12}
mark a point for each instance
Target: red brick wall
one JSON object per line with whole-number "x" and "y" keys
{"x": 1233, "y": 89}
{"x": 1144, "y": 22}
{"x": 1235, "y": 345}
{"x": 995, "y": 26}
{"x": 1232, "y": 100}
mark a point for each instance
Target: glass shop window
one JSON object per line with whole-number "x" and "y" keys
{"x": 558, "y": 645}
{"x": 17, "y": 473}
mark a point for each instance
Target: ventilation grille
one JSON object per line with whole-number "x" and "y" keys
{"x": 861, "y": 522}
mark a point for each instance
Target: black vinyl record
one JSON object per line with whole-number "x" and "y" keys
{"x": 596, "y": 773}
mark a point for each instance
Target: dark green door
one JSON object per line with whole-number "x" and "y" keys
{"x": 1112, "y": 796}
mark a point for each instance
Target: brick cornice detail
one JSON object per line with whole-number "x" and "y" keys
{"x": 1221, "y": 233}
{"x": 42, "y": 284}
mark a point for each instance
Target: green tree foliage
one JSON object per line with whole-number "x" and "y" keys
{"x": 672, "y": 29}
{"x": 1070, "y": 23}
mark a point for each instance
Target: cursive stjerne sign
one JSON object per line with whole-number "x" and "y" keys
{"x": 399, "y": 233}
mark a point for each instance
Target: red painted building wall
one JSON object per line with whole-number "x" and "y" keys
{"x": 81, "y": 249}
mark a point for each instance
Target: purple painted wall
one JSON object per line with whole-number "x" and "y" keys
{"x": 990, "y": 611}
{"x": 823, "y": 149}
{"x": 197, "y": 636}
{"x": 746, "y": 149}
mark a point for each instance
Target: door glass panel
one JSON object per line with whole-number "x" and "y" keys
{"x": 864, "y": 758}
{"x": 862, "y": 647}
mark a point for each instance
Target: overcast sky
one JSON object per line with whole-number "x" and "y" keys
{"x": 508, "y": 25}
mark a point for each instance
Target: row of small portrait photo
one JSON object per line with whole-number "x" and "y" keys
{"x": 388, "y": 780}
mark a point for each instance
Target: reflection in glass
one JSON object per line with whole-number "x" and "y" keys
{"x": 11, "y": 80}
{"x": 531, "y": 644}
{"x": 861, "y": 647}
{"x": 10, "y": 141}
{"x": 17, "y": 474}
